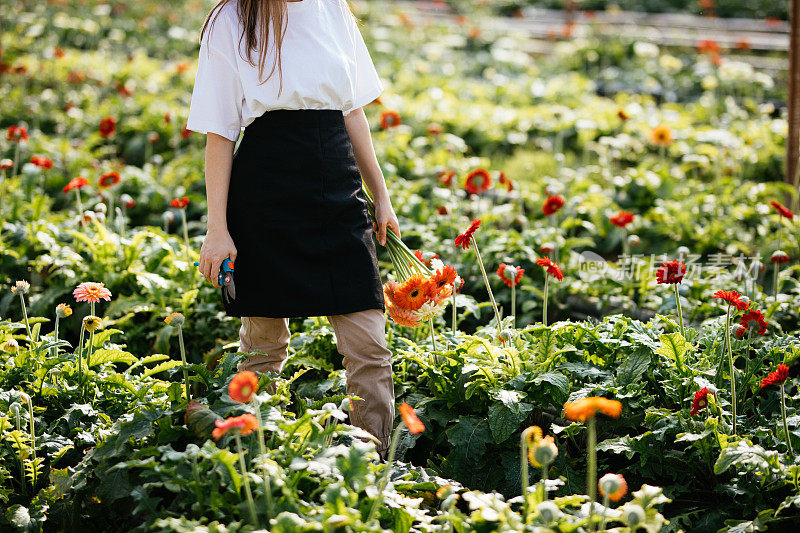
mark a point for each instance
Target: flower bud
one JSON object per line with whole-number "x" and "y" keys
{"x": 345, "y": 405}
{"x": 779, "y": 257}
{"x": 63, "y": 310}
{"x": 127, "y": 201}
{"x": 175, "y": 320}
{"x": 100, "y": 207}
{"x": 92, "y": 323}
{"x": 21, "y": 287}
{"x": 168, "y": 217}
{"x": 634, "y": 240}
{"x": 548, "y": 511}
{"x": 10, "y": 346}
{"x": 683, "y": 251}
{"x": 547, "y": 248}
{"x": 633, "y": 514}
{"x": 613, "y": 486}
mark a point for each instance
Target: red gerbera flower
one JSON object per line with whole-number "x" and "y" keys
{"x": 76, "y": 183}
{"x": 779, "y": 257}
{"x": 464, "y": 238}
{"x": 777, "y": 377}
{"x": 478, "y": 181}
{"x": 733, "y": 298}
{"x": 42, "y": 161}
{"x": 446, "y": 177}
{"x": 550, "y": 267}
{"x": 390, "y": 119}
{"x": 671, "y": 272}
{"x": 17, "y": 133}
{"x": 180, "y": 203}
{"x": 108, "y": 126}
{"x": 109, "y": 179}
{"x": 501, "y": 271}
{"x": 425, "y": 257}
{"x": 782, "y": 210}
{"x": 700, "y": 401}
{"x": 552, "y": 204}
{"x": 622, "y": 219}
{"x": 504, "y": 180}
{"x": 752, "y": 321}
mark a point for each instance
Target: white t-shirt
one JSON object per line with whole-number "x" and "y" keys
{"x": 324, "y": 61}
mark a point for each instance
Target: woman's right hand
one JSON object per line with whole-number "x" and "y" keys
{"x": 217, "y": 246}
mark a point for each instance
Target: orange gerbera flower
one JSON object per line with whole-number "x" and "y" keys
{"x": 445, "y": 177}
{"x": 552, "y": 204}
{"x": 390, "y": 119}
{"x": 109, "y": 179}
{"x": 243, "y": 424}
{"x": 501, "y": 271}
{"x": 389, "y": 291}
{"x": 413, "y": 423}
{"x": 478, "y": 181}
{"x": 661, "y": 135}
{"x": 76, "y": 183}
{"x": 401, "y": 316}
{"x": 413, "y": 292}
{"x": 584, "y": 409}
{"x": 443, "y": 278}
{"x": 179, "y": 203}
{"x": 90, "y": 291}
{"x": 243, "y": 386}
{"x": 464, "y": 238}
{"x": 613, "y": 486}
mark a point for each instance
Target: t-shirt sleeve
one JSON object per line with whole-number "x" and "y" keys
{"x": 367, "y": 83}
{"x": 217, "y": 97}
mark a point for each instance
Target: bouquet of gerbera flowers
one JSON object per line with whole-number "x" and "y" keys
{"x": 421, "y": 292}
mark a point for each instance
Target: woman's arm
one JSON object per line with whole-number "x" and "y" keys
{"x": 358, "y": 129}
{"x": 218, "y": 243}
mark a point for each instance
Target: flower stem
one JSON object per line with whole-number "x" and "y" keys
{"x": 513, "y": 306}
{"x": 183, "y": 360}
{"x": 262, "y": 450}
{"x": 486, "y": 280}
{"x": 80, "y": 203}
{"x": 731, "y": 368}
{"x": 33, "y": 437}
{"x": 433, "y": 337}
{"x": 591, "y": 468}
{"x": 186, "y": 237}
{"x": 25, "y": 315}
{"x": 680, "y": 312}
{"x": 775, "y": 283}
{"x": 785, "y": 425}
{"x": 545, "y": 467}
{"x": 54, "y": 350}
{"x": 523, "y": 465}
{"x": 250, "y": 505}
{"x": 603, "y": 517}
{"x": 387, "y": 469}
{"x": 80, "y": 361}
{"x": 544, "y": 310}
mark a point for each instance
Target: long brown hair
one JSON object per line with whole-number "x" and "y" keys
{"x": 250, "y": 12}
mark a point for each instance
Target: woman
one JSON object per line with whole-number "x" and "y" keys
{"x": 288, "y": 207}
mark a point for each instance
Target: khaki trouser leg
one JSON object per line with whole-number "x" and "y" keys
{"x": 268, "y": 335}
{"x": 361, "y": 339}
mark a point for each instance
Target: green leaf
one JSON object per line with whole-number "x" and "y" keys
{"x": 402, "y": 521}
{"x": 200, "y": 419}
{"x": 504, "y": 420}
{"x": 674, "y": 347}
{"x": 106, "y": 355}
{"x": 634, "y": 366}
{"x": 741, "y": 454}
{"x": 166, "y": 365}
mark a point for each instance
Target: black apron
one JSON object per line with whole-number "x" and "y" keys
{"x": 298, "y": 217}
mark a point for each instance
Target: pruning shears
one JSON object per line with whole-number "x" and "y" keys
{"x": 225, "y": 278}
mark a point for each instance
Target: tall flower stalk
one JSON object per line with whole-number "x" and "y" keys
{"x": 540, "y": 452}
{"x": 62, "y": 311}
{"x": 21, "y": 288}
{"x": 585, "y": 410}
{"x": 672, "y": 273}
{"x": 240, "y": 425}
{"x": 176, "y": 321}
{"x": 511, "y": 276}
{"x": 779, "y": 377}
{"x": 734, "y": 300}
{"x": 415, "y": 426}
{"x": 243, "y": 388}
{"x": 550, "y": 269}
{"x": 464, "y": 240}
{"x": 180, "y": 204}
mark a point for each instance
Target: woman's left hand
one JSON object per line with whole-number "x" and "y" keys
{"x": 385, "y": 217}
